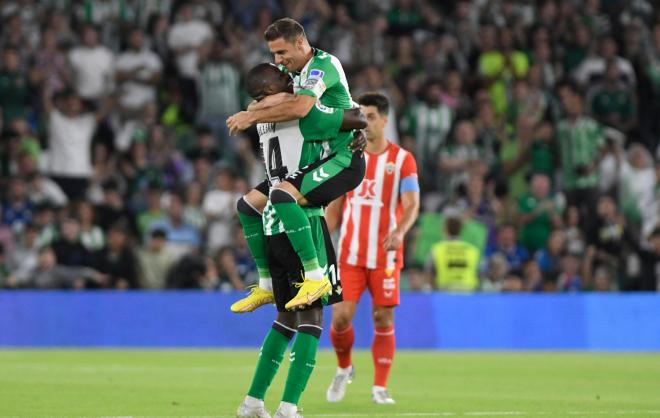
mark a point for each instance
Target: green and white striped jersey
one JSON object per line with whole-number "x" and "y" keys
{"x": 323, "y": 77}
{"x": 288, "y": 146}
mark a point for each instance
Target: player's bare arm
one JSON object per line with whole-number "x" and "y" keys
{"x": 297, "y": 108}
{"x": 270, "y": 101}
{"x": 410, "y": 203}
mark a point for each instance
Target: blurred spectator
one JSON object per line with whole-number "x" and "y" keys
{"x": 612, "y": 102}
{"x": 533, "y": 276}
{"x": 549, "y": 257}
{"x": 637, "y": 182}
{"x": 594, "y": 67}
{"x": 24, "y": 258}
{"x": 92, "y": 67}
{"x": 156, "y": 259}
{"x": 229, "y": 277}
{"x": 13, "y": 88}
{"x": 220, "y": 208}
{"x": 50, "y": 63}
{"x": 493, "y": 280}
{"x": 17, "y": 208}
{"x": 188, "y": 38}
{"x": 92, "y": 237}
{"x": 192, "y": 212}
{"x": 220, "y": 94}
{"x": 68, "y": 249}
{"x": 453, "y": 264}
{"x": 70, "y": 131}
{"x": 48, "y": 274}
{"x": 42, "y": 189}
{"x": 192, "y": 271}
{"x": 569, "y": 279}
{"x": 113, "y": 209}
{"x": 606, "y": 237}
{"x": 500, "y": 64}
{"x": 507, "y": 246}
{"x": 539, "y": 213}
{"x": 138, "y": 73}
{"x": 580, "y": 140}
{"x": 117, "y": 260}
{"x": 182, "y": 238}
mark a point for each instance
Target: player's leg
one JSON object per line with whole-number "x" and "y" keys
{"x": 384, "y": 288}
{"x": 249, "y": 209}
{"x": 315, "y": 185}
{"x": 270, "y": 358}
{"x": 303, "y": 359}
{"x": 342, "y": 336}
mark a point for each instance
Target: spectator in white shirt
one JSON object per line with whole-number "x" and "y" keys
{"x": 219, "y": 207}
{"x": 185, "y": 38}
{"x": 138, "y": 72}
{"x": 70, "y": 132}
{"x": 92, "y": 67}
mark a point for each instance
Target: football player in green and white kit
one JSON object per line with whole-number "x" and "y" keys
{"x": 319, "y": 83}
{"x": 288, "y": 146}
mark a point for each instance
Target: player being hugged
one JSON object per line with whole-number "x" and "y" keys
{"x": 319, "y": 82}
{"x": 374, "y": 219}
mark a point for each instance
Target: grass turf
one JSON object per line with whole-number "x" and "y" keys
{"x": 68, "y": 383}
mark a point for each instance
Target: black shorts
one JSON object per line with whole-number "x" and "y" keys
{"x": 286, "y": 268}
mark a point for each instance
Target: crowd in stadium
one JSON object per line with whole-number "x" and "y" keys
{"x": 534, "y": 121}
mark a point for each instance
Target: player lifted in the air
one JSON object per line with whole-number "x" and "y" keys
{"x": 374, "y": 220}
{"x": 287, "y": 146}
{"x": 319, "y": 80}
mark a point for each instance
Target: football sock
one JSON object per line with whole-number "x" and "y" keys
{"x": 270, "y": 358}
{"x": 342, "y": 341}
{"x": 298, "y": 229}
{"x": 253, "y": 229}
{"x": 303, "y": 360}
{"x": 382, "y": 351}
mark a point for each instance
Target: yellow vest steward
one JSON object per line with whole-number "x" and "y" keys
{"x": 456, "y": 264}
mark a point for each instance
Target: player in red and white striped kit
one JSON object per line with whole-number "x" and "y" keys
{"x": 374, "y": 218}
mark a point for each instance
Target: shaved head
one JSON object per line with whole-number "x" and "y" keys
{"x": 266, "y": 79}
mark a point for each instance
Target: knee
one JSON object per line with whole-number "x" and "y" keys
{"x": 383, "y": 317}
{"x": 340, "y": 320}
{"x": 242, "y": 206}
{"x": 288, "y": 319}
{"x": 278, "y": 195}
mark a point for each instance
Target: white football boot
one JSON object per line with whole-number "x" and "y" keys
{"x": 337, "y": 389}
{"x": 380, "y": 396}
{"x": 252, "y": 408}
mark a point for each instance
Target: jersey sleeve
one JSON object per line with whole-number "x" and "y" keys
{"x": 321, "y": 123}
{"x": 409, "y": 181}
{"x": 322, "y": 75}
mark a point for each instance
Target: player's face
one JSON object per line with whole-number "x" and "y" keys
{"x": 288, "y": 54}
{"x": 375, "y": 122}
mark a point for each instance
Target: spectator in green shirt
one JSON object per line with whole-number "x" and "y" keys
{"x": 580, "y": 140}
{"x": 538, "y": 213}
{"x": 611, "y": 102}
{"x": 13, "y": 87}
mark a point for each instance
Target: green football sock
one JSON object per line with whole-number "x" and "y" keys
{"x": 253, "y": 229}
{"x": 298, "y": 229}
{"x": 270, "y": 357}
{"x": 303, "y": 359}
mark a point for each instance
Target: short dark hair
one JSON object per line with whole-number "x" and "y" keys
{"x": 260, "y": 77}
{"x": 453, "y": 224}
{"x": 375, "y": 99}
{"x": 286, "y": 28}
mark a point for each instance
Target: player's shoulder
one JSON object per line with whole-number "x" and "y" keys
{"x": 397, "y": 151}
{"x": 325, "y": 59}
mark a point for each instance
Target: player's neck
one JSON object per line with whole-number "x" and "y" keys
{"x": 377, "y": 146}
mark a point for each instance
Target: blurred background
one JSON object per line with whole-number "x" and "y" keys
{"x": 537, "y": 121}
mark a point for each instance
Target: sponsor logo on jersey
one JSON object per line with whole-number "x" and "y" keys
{"x": 388, "y": 293}
{"x": 389, "y": 283}
{"x": 316, "y": 74}
{"x": 367, "y": 189}
{"x": 324, "y": 109}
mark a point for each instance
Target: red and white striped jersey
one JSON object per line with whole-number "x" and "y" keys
{"x": 374, "y": 208}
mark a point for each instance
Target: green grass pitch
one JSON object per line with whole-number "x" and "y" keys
{"x": 211, "y": 383}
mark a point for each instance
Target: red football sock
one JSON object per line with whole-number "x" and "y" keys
{"x": 382, "y": 351}
{"x": 342, "y": 341}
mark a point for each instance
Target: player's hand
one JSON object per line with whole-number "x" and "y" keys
{"x": 393, "y": 240}
{"x": 239, "y": 122}
{"x": 359, "y": 142}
